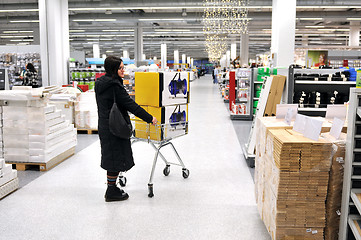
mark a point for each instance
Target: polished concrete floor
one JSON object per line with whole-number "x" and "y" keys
{"x": 216, "y": 201}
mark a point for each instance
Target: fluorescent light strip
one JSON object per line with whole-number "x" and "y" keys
{"x": 94, "y": 20}
{"x": 18, "y": 31}
{"x": 121, "y": 30}
{"x": 310, "y": 19}
{"x": 76, "y": 30}
{"x": 353, "y": 19}
{"x": 15, "y": 36}
{"x": 25, "y": 21}
{"x": 20, "y": 10}
{"x": 173, "y": 30}
{"x": 314, "y": 26}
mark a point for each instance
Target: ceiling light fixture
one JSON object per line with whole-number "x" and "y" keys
{"x": 24, "y": 21}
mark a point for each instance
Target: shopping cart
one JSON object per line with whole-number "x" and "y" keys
{"x": 158, "y": 136}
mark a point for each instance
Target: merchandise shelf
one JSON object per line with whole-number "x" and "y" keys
{"x": 325, "y": 82}
{"x": 350, "y": 223}
{"x": 354, "y": 222}
{"x": 339, "y": 90}
{"x": 356, "y": 198}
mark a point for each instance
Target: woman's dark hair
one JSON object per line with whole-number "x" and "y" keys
{"x": 111, "y": 65}
{"x": 30, "y": 67}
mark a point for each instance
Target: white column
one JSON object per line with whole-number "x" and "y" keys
{"x": 354, "y": 36}
{"x": 138, "y": 42}
{"x": 176, "y": 59}
{"x": 283, "y": 32}
{"x": 233, "y": 51}
{"x": 189, "y": 61}
{"x": 54, "y": 41}
{"x": 154, "y": 58}
{"x": 304, "y": 41}
{"x": 228, "y": 57}
{"x": 104, "y": 56}
{"x": 96, "y": 50}
{"x": 143, "y": 57}
{"x": 192, "y": 60}
{"x": 244, "y": 50}
{"x": 183, "y": 59}
{"x": 125, "y": 53}
{"x": 163, "y": 50}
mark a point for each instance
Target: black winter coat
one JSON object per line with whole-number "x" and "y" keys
{"x": 116, "y": 153}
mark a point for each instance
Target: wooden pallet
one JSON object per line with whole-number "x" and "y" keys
{"x": 88, "y": 131}
{"x": 22, "y": 166}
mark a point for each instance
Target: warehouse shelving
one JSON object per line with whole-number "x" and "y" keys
{"x": 350, "y": 224}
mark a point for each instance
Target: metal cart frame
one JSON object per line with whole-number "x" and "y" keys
{"x": 158, "y": 144}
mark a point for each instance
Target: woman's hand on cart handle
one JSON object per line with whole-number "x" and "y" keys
{"x": 154, "y": 121}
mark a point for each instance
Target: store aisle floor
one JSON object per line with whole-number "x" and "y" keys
{"x": 216, "y": 201}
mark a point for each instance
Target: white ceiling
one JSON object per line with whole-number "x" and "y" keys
{"x": 320, "y": 23}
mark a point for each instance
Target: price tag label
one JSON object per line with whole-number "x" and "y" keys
{"x": 289, "y": 116}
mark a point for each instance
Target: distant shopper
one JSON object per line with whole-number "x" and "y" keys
{"x": 216, "y": 71}
{"x": 116, "y": 153}
{"x": 30, "y": 76}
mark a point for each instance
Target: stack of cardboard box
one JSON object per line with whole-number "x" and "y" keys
{"x": 335, "y": 184}
{"x": 291, "y": 176}
{"x": 165, "y": 95}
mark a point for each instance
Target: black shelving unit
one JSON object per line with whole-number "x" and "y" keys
{"x": 311, "y": 81}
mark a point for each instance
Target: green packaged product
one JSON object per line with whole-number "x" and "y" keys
{"x": 254, "y": 111}
{"x": 257, "y": 94}
{"x": 258, "y": 87}
{"x": 91, "y": 85}
{"x": 260, "y": 78}
{"x": 264, "y": 71}
{"x": 274, "y": 71}
{"x": 255, "y": 104}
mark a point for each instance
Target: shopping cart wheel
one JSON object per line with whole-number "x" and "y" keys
{"x": 150, "y": 190}
{"x": 122, "y": 181}
{"x": 166, "y": 170}
{"x": 185, "y": 172}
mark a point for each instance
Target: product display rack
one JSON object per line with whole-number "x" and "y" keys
{"x": 350, "y": 223}
{"x": 309, "y": 82}
{"x": 243, "y": 92}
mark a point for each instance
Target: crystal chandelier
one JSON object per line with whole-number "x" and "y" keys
{"x": 221, "y": 18}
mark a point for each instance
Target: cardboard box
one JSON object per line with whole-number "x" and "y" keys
{"x": 275, "y": 95}
{"x": 161, "y": 89}
{"x": 172, "y": 119}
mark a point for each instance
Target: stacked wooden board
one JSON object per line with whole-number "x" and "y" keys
{"x": 292, "y": 174}
{"x": 334, "y": 192}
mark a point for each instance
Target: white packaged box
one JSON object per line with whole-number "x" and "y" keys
{"x": 40, "y": 123}
{"x": 16, "y": 151}
{"x": 16, "y": 158}
{"x": 9, "y": 123}
{"x": 45, "y": 138}
{"x": 52, "y": 142}
{"x": 2, "y": 163}
{"x": 6, "y": 169}
{"x": 15, "y": 113}
{"x": 8, "y": 177}
{"x": 15, "y": 131}
{"x": 41, "y": 130}
{"x": 45, "y": 158}
{"x": 45, "y": 117}
{"x": 67, "y": 109}
{"x": 16, "y": 141}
